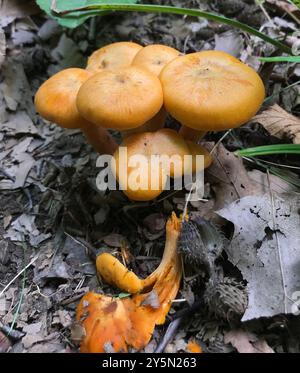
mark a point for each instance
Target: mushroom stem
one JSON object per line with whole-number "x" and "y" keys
{"x": 190, "y": 134}
{"x": 154, "y": 124}
{"x": 130, "y": 322}
{"x": 100, "y": 139}
{"x": 116, "y": 274}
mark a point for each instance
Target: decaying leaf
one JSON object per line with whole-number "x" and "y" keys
{"x": 230, "y": 42}
{"x": 130, "y": 322}
{"x": 14, "y": 9}
{"x": 2, "y": 46}
{"x": 228, "y": 178}
{"x": 280, "y": 123}
{"x": 4, "y": 343}
{"x": 246, "y": 342}
{"x": 265, "y": 248}
{"x": 286, "y": 6}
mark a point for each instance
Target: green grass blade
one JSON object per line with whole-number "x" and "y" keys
{"x": 147, "y": 8}
{"x": 295, "y": 59}
{"x": 269, "y": 150}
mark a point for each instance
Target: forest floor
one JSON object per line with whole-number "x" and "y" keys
{"x": 52, "y": 216}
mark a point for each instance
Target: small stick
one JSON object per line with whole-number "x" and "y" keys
{"x": 24, "y": 269}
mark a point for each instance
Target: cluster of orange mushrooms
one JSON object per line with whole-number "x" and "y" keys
{"x": 130, "y": 88}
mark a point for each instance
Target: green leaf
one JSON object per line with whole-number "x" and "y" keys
{"x": 97, "y": 7}
{"x": 77, "y": 18}
{"x": 295, "y": 59}
{"x": 123, "y": 295}
{"x": 269, "y": 150}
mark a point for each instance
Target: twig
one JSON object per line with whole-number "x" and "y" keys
{"x": 219, "y": 142}
{"x": 172, "y": 328}
{"x": 18, "y": 275}
{"x": 92, "y": 251}
{"x": 174, "y": 325}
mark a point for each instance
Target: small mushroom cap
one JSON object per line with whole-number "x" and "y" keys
{"x": 196, "y": 149}
{"x": 113, "y": 56}
{"x": 165, "y": 142}
{"x": 55, "y": 100}
{"x": 211, "y": 91}
{"x": 155, "y": 57}
{"x": 120, "y": 99}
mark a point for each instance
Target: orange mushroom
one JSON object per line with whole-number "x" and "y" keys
{"x": 146, "y": 179}
{"x": 113, "y": 56}
{"x": 120, "y": 324}
{"x": 55, "y": 101}
{"x": 154, "y": 58}
{"x": 120, "y": 99}
{"x": 211, "y": 91}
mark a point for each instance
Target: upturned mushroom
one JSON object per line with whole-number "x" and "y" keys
{"x": 146, "y": 177}
{"x": 55, "y": 101}
{"x": 210, "y": 91}
{"x": 113, "y": 56}
{"x": 112, "y": 324}
{"x": 120, "y": 99}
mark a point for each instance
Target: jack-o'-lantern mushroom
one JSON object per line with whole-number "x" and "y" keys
{"x": 210, "y": 91}
{"x": 151, "y": 158}
{"x": 55, "y": 101}
{"x": 113, "y": 324}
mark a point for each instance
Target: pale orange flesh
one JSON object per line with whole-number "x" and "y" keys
{"x": 118, "y": 324}
{"x": 113, "y": 56}
{"x": 211, "y": 91}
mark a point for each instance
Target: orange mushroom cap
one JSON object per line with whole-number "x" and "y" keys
{"x": 211, "y": 91}
{"x": 155, "y": 57}
{"x": 165, "y": 142}
{"x": 55, "y": 100}
{"x": 120, "y": 99}
{"x": 113, "y": 56}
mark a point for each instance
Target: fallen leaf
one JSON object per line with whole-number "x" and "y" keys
{"x": 230, "y": 42}
{"x": 283, "y": 5}
{"x": 228, "y": 178}
{"x": 277, "y": 184}
{"x": 115, "y": 240}
{"x": 246, "y": 342}
{"x": 265, "y": 248}
{"x": 2, "y": 46}
{"x": 19, "y": 122}
{"x": 4, "y": 343}
{"x": 13, "y": 9}
{"x": 280, "y": 123}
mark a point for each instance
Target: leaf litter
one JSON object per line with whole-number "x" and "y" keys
{"x": 48, "y": 196}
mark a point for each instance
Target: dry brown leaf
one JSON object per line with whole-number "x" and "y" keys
{"x": 246, "y": 342}
{"x": 284, "y": 5}
{"x": 228, "y": 178}
{"x": 280, "y": 123}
